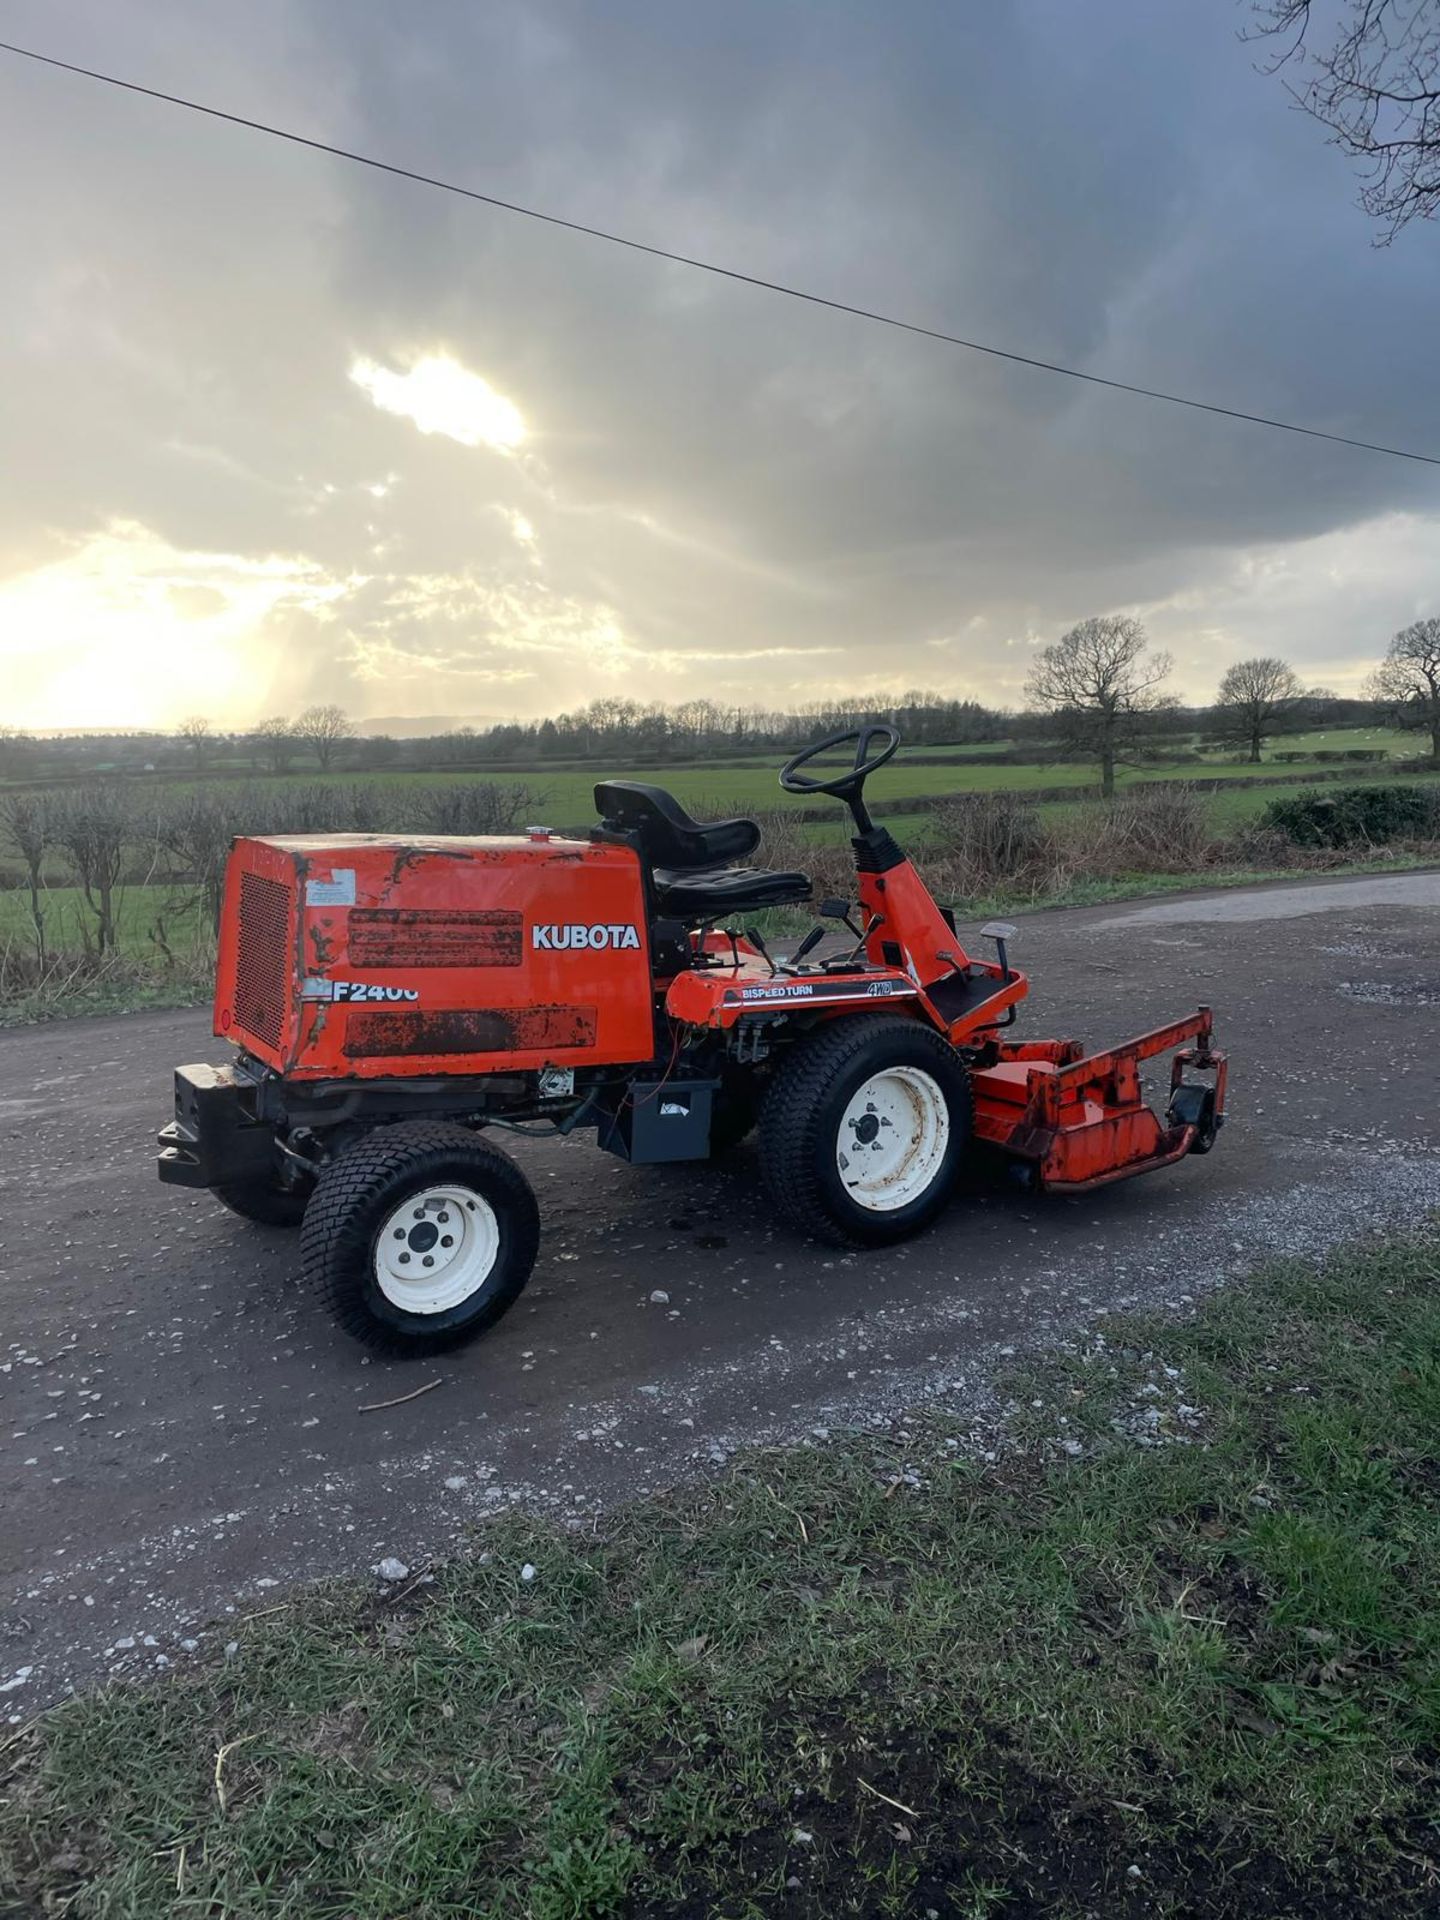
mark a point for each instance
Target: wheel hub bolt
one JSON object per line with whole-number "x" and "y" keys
{"x": 399, "y": 1233}
{"x": 404, "y": 1259}
{"x": 429, "y": 1259}
{"x": 447, "y": 1240}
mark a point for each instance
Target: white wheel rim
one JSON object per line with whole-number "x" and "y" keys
{"x": 436, "y": 1249}
{"x": 892, "y": 1139}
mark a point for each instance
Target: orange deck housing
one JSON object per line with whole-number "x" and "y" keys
{"x": 355, "y": 956}
{"x": 1083, "y": 1121}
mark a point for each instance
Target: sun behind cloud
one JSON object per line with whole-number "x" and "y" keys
{"x": 442, "y": 396}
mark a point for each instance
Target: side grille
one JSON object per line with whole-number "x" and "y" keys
{"x": 262, "y": 970}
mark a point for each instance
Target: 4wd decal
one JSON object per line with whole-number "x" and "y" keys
{"x": 357, "y": 990}
{"x": 594, "y": 939}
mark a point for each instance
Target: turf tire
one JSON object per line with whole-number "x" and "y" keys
{"x": 266, "y": 1202}
{"x": 359, "y": 1189}
{"x": 803, "y": 1109}
{"x": 735, "y": 1110}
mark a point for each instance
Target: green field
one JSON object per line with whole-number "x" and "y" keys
{"x": 565, "y": 797}
{"x": 70, "y": 925}
{"x": 1398, "y": 745}
{"x": 157, "y": 927}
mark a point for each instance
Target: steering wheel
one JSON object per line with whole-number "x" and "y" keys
{"x": 852, "y": 780}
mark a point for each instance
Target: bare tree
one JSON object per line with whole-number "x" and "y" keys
{"x": 274, "y": 741}
{"x": 29, "y": 819}
{"x": 324, "y": 730}
{"x": 198, "y": 735}
{"x": 196, "y": 828}
{"x": 1408, "y": 680}
{"x": 1376, "y": 88}
{"x": 1254, "y": 695}
{"x": 94, "y": 825}
{"x": 1098, "y": 681}
{"x": 475, "y": 806}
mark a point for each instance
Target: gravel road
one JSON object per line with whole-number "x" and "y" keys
{"x": 182, "y": 1432}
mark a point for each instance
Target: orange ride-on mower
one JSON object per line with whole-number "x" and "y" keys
{"x": 396, "y": 1002}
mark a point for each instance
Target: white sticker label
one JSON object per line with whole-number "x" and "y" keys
{"x": 337, "y": 891}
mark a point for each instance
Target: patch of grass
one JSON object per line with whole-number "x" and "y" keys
{"x": 1138, "y": 886}
{"x": 1174, "y": 1651}
{"x": 165, "y": 957}
{"x": 123, "y": 991}
{"x": 1233, "y": 805}
{"x": 1337, "y": 739}
{"x": 70, "y": 924}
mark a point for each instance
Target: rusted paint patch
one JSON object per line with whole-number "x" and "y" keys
{"x": 371, "y": 1033}
{"x": 405, "y": 857}
{"x": 432, "y": 937}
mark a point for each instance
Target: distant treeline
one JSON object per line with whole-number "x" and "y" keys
{"x": 605, "y": 731}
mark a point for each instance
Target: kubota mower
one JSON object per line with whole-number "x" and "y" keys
{"x": 395, "y": 1002}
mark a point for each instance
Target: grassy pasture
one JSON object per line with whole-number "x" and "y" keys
{"x": 1337, "y": 739}
{"x": 69, "y": 923}
{"x": 160, "y": 928}
{"x": 565, "y": 797}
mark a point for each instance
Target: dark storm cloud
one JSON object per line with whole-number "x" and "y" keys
{"x": 712, "y": 470}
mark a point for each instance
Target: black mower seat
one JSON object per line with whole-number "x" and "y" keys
{"x": 668, "y": 836}
{"x": 726, "y": 892}
{"x": 687, "y": 857}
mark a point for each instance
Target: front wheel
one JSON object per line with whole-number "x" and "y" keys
{"x": 863, "y": 1128}
{"x": 420, "y": 1236}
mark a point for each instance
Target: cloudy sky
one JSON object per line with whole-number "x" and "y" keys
{"x": 279, "y": 429}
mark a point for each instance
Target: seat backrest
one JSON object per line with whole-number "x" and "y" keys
{"x": 667, "y": 834}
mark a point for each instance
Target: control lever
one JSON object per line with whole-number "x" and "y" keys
{"x": 807, "y": 945}
{"x": 752, "y": 934}
{"x": 838, "y": 910}
{"x": 1000, "y": 931}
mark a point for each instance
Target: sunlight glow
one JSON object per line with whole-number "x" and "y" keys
{"x": 127, "y": 630}
{"x": 441, "y": 396}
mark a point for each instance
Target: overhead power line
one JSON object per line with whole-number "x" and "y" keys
{"x": 713, "y": 267}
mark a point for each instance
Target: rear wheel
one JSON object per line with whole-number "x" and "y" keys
{"x": 863, "y": 1127}
{"x": 420, "y": 1236}
{"x": 734, "y": 1109}
{"x": 266, "y": 1201}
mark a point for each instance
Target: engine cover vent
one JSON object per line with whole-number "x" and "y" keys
{"x": 262, "y": 968}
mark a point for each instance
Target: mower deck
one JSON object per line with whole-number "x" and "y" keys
{"x": 1079, "y": 1122}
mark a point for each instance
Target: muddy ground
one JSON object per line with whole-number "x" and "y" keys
{"x": 182, "y": 1433}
